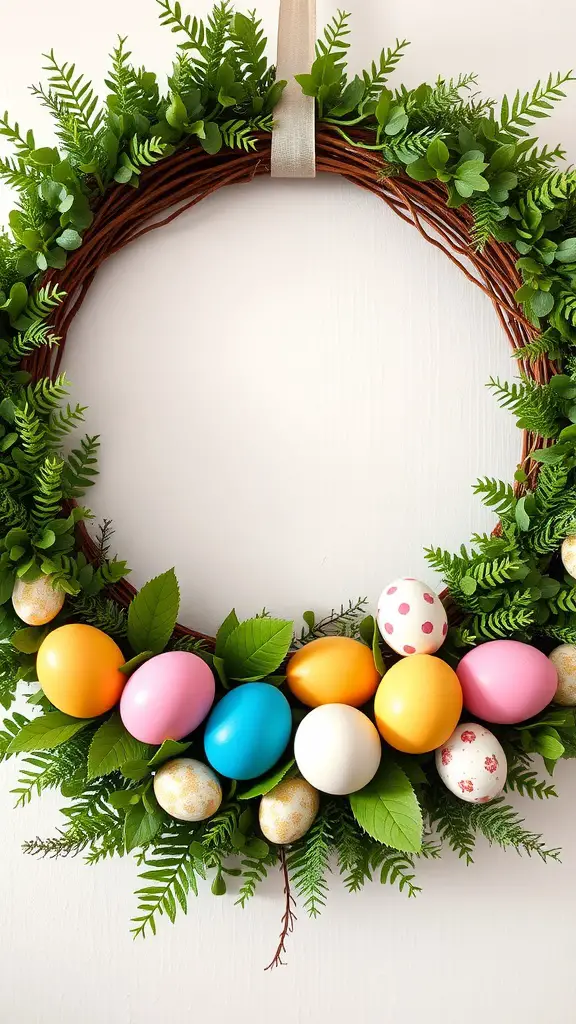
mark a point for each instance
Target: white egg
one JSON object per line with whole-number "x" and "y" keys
{"x": 187, "y": 789}
{"x": 337, "y": 749}
{"x": 568, "y": 555}
{"x": 37, "y": 603}
{"x": 472, "y": 763}
{"x": 287, "y": 811}
{"x": 564, "y": 660}
{"x": 411, "y": 617}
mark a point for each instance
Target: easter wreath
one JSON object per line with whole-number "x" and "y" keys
{"x": 124, "y": 689}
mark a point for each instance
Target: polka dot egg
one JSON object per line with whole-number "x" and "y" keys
{"x": 472, "y": 763}
{"x": 411, "y": 617}
{"x": 564, "y": 660}
{"x": 187, "y": 789}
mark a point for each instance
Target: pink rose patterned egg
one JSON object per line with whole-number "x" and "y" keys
{"x": 472, "y": 764}
{"x": 411, "y": 617}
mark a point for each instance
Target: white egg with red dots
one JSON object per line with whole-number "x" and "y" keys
{"x": 411, "y": 617}
{"x": 472, "y": 764}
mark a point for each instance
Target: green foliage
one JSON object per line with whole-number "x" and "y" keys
{"x": 308, "y": 863}
{"x": 50, "y": 769}
{"x": 152, "y": 614}
{"x": 387, "y": 809}
{"x": 173, "y": 869}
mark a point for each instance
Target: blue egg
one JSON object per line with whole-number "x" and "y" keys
{"x": 248, "y": 731}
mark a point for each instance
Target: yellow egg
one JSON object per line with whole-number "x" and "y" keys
{"x": 333, "y": 670}
{"x": 78, "y": 669}
{"x": 38, "y": 602}
{"x": 418, "y": 704}
{"x": 287, "y": 811}
{"x": 187, "y": 789}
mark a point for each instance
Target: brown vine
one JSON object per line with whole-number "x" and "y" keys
{"x": 179, "y": 182}
{"x": 288, "y": 917}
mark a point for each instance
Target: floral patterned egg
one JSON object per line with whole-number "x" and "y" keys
{"x": 568, "y": 554}
{"x": 187, "y": 789}
{"x": 37, "y": 603}
{"x": 564, "y": 660}
{"x": 472, "y": 763}
{"x": 411, "y": 617}
{"x": 287, "y": 811}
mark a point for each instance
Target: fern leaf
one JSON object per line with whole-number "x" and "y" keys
{"x": 48, "y": 491}
{"x": 35, "y": 336}
{"x": 308, "y": 864}
{"x": 253, "y": 874}
{"x": 527, "y": 783}
{"x": 217, "y": 36}
{"x": 193, "y": 28}
{"x": 521, "y": 113}
{"x": 44, "y": 396}
{"x": 487, "y": 214}
{"x": 41, "y": 304}
{"x": 376, "y": 76}
{"x": 496, "y": 495}
{"x": 335, "y": 38}
{"x": 62, "y": 422}
{"x": 32, "y": 435}
{"x": 171, "y": 866}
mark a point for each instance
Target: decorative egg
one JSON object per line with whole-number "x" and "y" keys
{"x": 337, "y": 749}
{"x": 333, "y": 670}
{"x": 506, "y": 681}
{"x": 411, "y": 617}
{"x": 568, "y": 555}
{"x": 37, "y": 603}
{"x": 564, "y": 660}
{"x": 187, "y": 789}
{"x": 78, "y": 669}
{"x": 472, "y": 763}
{"x": 248, "y": 731}
{"x": 287, "y": 811}
{"x": 167, "y": 697}
{"x": 418, "y": 704}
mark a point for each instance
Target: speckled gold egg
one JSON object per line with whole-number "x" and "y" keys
{"x": 568, "y": 555}
{"x": 37, "y": 603}
{"x": 187, "y": 789}
{"x": 287, "y": 811}
{"x": 564, "y": 660}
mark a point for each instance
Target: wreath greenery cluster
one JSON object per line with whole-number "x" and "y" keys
{"x": 222, "y": 93}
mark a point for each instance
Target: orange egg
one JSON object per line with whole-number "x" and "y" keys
{"x": 418, "y": 704}
{"x": 333, "y": 670}
{"x": 77, "y": 667}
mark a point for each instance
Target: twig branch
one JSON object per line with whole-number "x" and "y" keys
{"x": 288, "y": 917}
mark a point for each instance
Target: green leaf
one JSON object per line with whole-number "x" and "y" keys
{"x": 227, "y": 627}
{"x": 468, "y": 585}
{"x": 377, "y": 653}
{"x": 69, "y": 240}
{"x": 387, "y": 809}
{"x": 28, "y": 640}
{"x": 130, "y": 666}
{"x": 152, "y": 614}
{"x": 547, "y": 742}
{"x": 111, "y": 747}
{"x": 212, "y": 141}
{"x": 521, "y": 515}
{"x": 257, "y": 647}
{"x": 218, "y": 887}
{"x": 421, "y": 170}
{"x": 542, "y": 303}
{"x": 47, "y": 732}
{"x": 437, "y": 154}
{"x": 566, "y": 251}
{"x": 135, "y": 770}
{"x": 176, "y": 113}
{"x": 140, "y": 826}
{"x": 45, "y": 157}
{"x": 268, "y": 783}
{"x": 168, "y": 750}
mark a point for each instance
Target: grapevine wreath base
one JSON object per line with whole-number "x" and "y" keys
{"x": 223, "y": 758}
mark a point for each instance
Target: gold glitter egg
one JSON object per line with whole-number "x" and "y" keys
{"x": 287, "y": 811}
{"x": 38, "y": 602}
{"x": 568, "y": 555}
{"x": 187, "y": 789}
{"x": 564, "y": 660}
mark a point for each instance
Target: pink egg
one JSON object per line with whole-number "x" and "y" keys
{"x": 506, "y": 681}
{"x": 167, "y": 697}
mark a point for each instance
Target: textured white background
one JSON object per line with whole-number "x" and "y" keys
{"x": 289, "y": 388}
